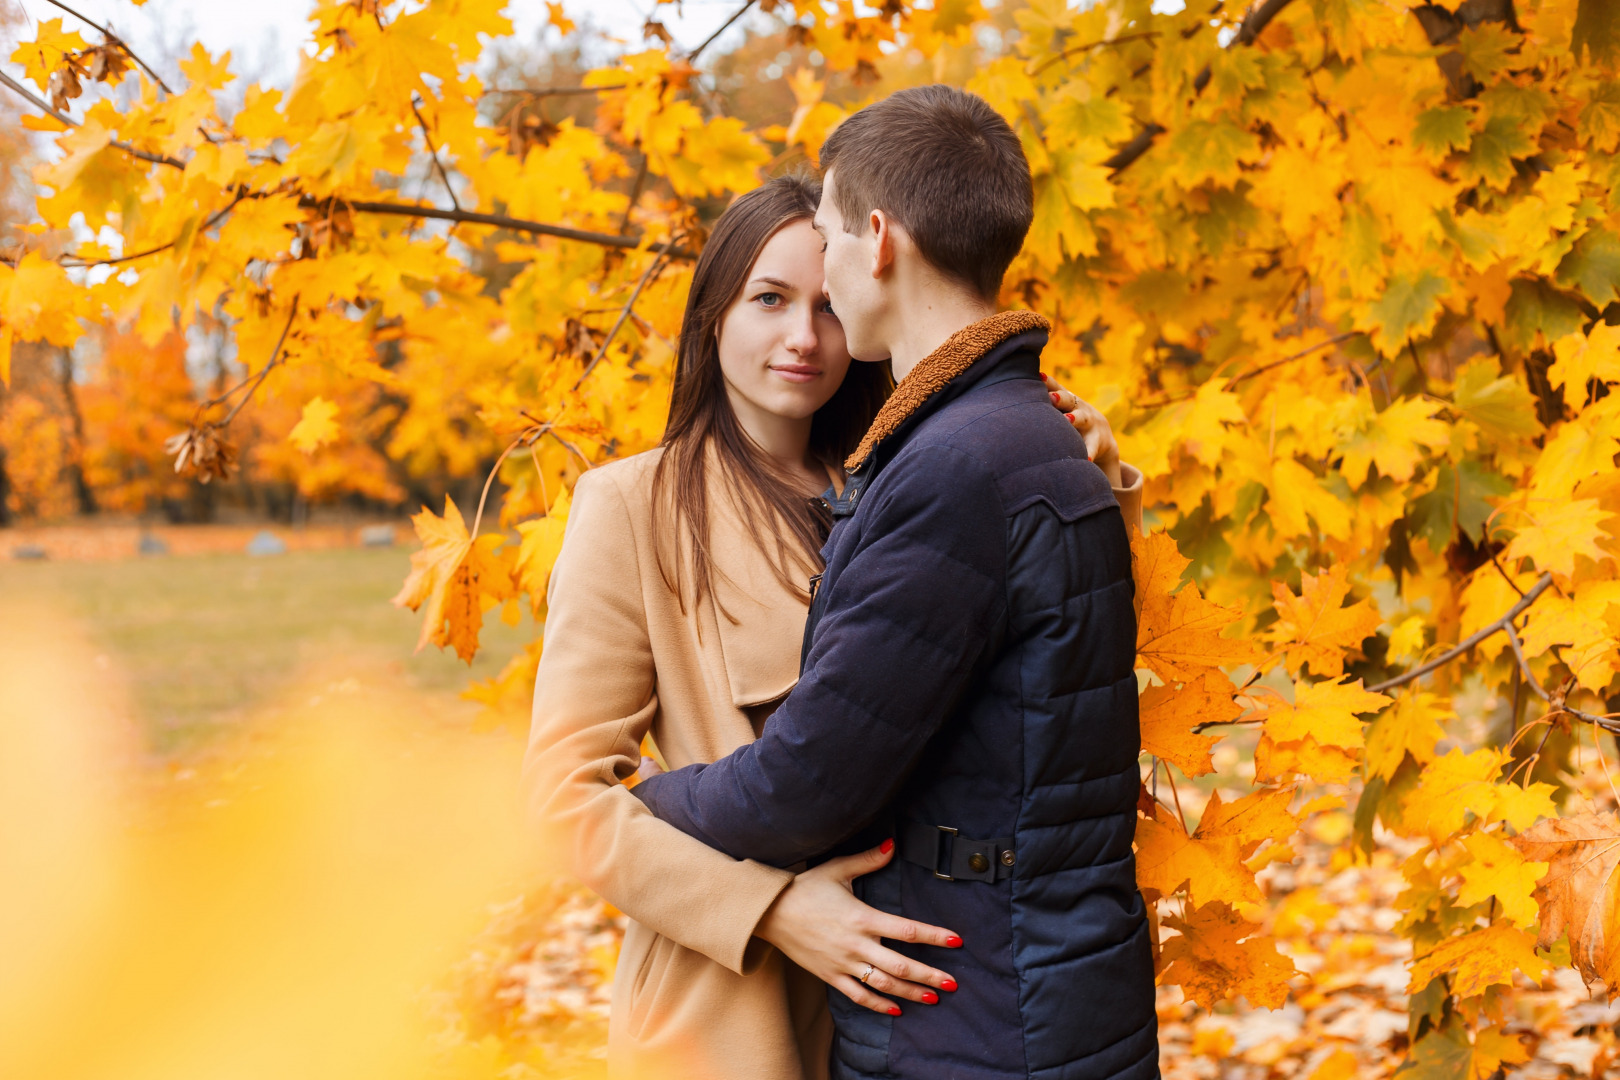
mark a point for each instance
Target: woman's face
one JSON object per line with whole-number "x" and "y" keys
{"x": 781, "y": 348}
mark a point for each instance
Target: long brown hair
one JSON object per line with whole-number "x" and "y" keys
{"x": 701, "y": 416}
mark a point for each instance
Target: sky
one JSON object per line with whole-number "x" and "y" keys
{"x": 263, "y": 35}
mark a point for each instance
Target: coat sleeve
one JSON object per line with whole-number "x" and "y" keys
{"x": 595, "y": 698}
{"x": 1129, "y": 496}
{"x": 903, "y": 627}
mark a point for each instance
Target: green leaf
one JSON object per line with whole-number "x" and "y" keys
{"x": 1209, "y": 150}
{"x": 1457, "y": 503}
{"x": 1407, "y": 309}
{"x": 1500, "y": 404}
{"x": 1442, "y": 1054}
{"x": 1486, "y": 49}
{"x": 1490, "y": 156}
{"x": 1593, "y": 266}
{"x": 1441, "y": 130}
{"x": 1535, "y": 307}
{"x": 1599, "y": 125}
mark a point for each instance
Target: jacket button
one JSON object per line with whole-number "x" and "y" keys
{"x": 978, "y": 863}
{"x": 1008, "y": 858}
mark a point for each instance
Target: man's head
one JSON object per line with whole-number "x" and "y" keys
{"x": 944, "y": 168}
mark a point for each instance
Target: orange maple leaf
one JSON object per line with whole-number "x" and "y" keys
{"x": 1210, "y": 862}
{"x": 1313, "y": 628}
{"x": 453, "y": 575}
{"x": 1578, "y": 893}
{"x": 1219, "y": 955}
{"x": 1178, "y": 634}
{"x": 1170, "y": 713}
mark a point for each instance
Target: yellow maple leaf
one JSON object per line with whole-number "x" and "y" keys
{"x": 316, "y": 427}
{"x": 1170, "y": 713}
{"x": 1324, "y": 711}
{"x": 1412, "y": 727}
{"x": 542, "y": 543}
{"x": 1178, "y": 633}
{"x": 1219, "y": 955}
{"x": 1446, "y": 1054}
{"x": 1580, "y": 448}
{"x": 1578, "y": 895}
{"x": 1554, "y": 532}
{"x": 1156, "y": 566}
{"x": 1276, "y": 762}
{"x": 1313, "y": 628}
{"x": 1497, "y": 870}
{"x": 452, "y": 576}
{"x": 51, "y": 45}
{"x": 1583, "y": 357}
{"x": 1479, "y": 960}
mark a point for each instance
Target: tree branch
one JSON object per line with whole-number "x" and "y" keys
{"x": 624, "y": 313}
{"x": 1087, "y": 47}
{"x": 710, "y": 40}
{"x": 1252, "y": 372}
{"x": 114, "y": 39}
{"x": 553, "y": 91}
{"x": 1504, "y": 623}
{"x": 213, "y": 219}
{"x": 68, "y": 121}
{"x": 1607, "y": 723}
{"x": 433, "y": 151}
{"x": 309, "y": 202}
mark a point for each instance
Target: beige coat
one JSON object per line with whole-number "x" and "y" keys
{"x": 695, "y": 995}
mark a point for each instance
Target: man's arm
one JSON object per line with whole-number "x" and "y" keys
{"x": 905, "y": 625}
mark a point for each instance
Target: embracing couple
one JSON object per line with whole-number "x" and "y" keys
{"x": 883, "y": 637}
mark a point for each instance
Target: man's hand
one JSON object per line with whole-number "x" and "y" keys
{"x": 1092, "y": 426}
{"x": 819, "y": 925}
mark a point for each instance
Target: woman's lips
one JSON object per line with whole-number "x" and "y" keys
{"x": 799, "y": 373}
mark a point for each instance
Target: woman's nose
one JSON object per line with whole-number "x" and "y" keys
{"x": 801, "y": 335}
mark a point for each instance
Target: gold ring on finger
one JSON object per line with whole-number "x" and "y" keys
{"x": 868, "y": 974}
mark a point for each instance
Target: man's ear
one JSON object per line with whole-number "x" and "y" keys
{"x": 883, "y": 242}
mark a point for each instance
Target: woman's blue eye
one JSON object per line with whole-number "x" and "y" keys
{"x": 769, "y": 299}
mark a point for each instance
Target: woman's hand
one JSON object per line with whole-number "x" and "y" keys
{"x": 819, "y": 925}
{"x": 1092, "y": 426}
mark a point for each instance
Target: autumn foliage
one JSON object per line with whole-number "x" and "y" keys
{"x": 1344, "y": 275}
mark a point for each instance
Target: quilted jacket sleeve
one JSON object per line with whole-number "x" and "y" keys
{"x": 922, "y": 594}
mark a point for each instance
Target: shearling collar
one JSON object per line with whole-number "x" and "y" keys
{"x": 958, "y": 353}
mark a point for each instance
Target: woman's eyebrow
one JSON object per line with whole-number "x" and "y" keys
{"x": 774, "y": 282}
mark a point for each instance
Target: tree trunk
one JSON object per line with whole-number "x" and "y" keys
{"x": 70, "y": 397}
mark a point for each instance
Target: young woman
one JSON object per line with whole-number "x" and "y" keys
{"x": 677, "y": 608}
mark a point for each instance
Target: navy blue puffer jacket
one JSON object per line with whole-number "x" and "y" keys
{"x": 968, "y": 689}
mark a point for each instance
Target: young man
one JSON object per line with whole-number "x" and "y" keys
{"x": 967, "y": 684}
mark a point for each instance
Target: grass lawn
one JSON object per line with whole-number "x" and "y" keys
{"x": 205, "y": 642}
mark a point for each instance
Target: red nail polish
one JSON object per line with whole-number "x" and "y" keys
{"x": 894, "y": 1010}
{"x": 953, "y": 942}
{"x": 1069, "y": 416}
{"x": 1054, "y": 397}
{"x": 930, "y": 998}
{"x": 949, "y": 985}
{"x": 887, "y": 846}
{"x": 1043, "y": 376}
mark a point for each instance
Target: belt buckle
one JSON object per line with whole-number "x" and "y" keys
{"x": 938, "y": 841}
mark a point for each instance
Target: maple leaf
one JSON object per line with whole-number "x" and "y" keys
{"x": 1156, "y": 566}
{"x": 1210, "y": 862}
{"x": 316, "y": 427}
{"x": 1583, "y": 357}
{"x": 1554, "y": 532}
{"x": 1478, "y": 960}
{"x": 1446, "y": 1054}
{"x": 1412, "y": 727}
{"x": 1220, "y": 955}
{"x": 1178, "y": 634}
{"x": 1499, "y": 871}
{"x": 1324, "y": 711}
{"x": 1313, "y": 628}
{"x": 542, "y": 543}
{"x": 1578, "y": 894}
{"x": 1170, "y": 713}
{"x": 451, "y": 576}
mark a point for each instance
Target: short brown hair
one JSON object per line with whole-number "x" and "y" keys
{"x": 948, "y": 169}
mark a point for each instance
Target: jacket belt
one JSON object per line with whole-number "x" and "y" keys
{"x": 953, "y": 857}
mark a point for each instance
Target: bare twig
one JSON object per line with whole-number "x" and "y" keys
{"x": 624, "y": 313}
{"x": 114, "y": 39}
{"x": 553, "y": 91}
{"x": 710, "y": 40}
{"x": 255, "y": 381}
{"x": 62, "y": 118}
{"x": 1252, "y": 372}
{"x": 1087, "y": 47}
{"x": 1503, "y": 623}
{"x": 1607, "y": 723}
{"x": 499, "y": 221}
{"x": 433, "y": 152}
{"x": 210, "y": 223}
